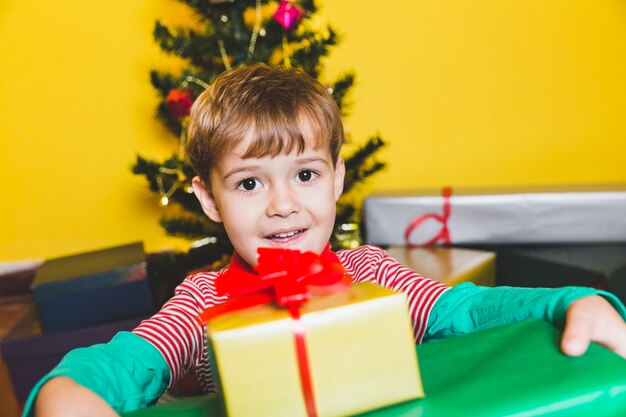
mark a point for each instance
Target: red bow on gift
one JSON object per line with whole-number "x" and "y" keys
{"x": 287, "y": 278}
{"x": 293, "y": 276}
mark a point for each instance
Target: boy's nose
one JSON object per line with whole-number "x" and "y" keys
{"x": 283, "y": 202}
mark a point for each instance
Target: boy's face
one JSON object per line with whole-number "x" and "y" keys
{"x": 286, "y": 201}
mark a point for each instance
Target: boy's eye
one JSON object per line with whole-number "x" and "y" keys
{"x": 306, "y": 175}
{"x": 248, "y": 184}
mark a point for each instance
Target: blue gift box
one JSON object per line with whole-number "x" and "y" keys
{"x": 92, "y": 288}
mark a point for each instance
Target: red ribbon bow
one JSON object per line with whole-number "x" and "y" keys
{"x": 443, "y": 236}
{"x": 287, "y": 278}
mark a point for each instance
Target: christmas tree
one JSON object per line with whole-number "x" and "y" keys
{"x": 237, "y": 32}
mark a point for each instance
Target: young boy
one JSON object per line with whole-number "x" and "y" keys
{"x": 265, "y": 143}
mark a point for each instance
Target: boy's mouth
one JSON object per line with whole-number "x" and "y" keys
{"x": 286, "y": 237}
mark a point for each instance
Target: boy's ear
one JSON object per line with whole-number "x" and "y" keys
{"x": 340, "y": 173}
{"x": 207, "y": 201}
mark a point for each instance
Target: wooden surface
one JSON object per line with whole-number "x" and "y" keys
{"x": 448, "y": 265}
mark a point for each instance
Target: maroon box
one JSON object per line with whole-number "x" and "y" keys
{"x": 30, "y": 355}
{"x": 12, "y": 310}
{"x": 16, "y": 277}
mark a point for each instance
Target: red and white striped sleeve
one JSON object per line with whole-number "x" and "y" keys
{"x": 175, "y": 332}
{"x": 372, "y": 264}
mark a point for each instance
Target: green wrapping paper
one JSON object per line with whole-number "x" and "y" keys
{"x": 516, "y": 369}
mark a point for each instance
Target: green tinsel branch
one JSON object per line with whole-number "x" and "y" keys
{"x": 186, "y": 43}
{"x": 316, "y": 48}
{"x": 197, "y": 227}
{"x": 358, "y": 166}
{"x": 340, "y": 90}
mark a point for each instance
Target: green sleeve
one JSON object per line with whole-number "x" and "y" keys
{"x": 128, "y": 372}
{"x": 467, "y": 307}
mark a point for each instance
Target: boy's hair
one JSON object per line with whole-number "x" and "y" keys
{"x": 273, "y": 104}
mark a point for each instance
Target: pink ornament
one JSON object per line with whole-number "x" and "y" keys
{"x": 288, "y": 14}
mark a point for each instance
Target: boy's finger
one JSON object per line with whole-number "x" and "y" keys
{"x": 593, "y": 319}
{"x": 611, "y": 333}
{"x": 577, "y": 333}
{"x": 615, "y": 342}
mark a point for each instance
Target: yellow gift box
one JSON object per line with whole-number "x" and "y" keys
{"x": 360, "y": 348}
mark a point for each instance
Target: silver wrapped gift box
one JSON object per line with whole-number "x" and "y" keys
{"x": 480, "y": 216}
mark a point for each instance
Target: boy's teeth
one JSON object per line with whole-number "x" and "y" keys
{"x": 288, "y": 234}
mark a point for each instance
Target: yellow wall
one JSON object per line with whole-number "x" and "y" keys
{"x": 466, "y": 92}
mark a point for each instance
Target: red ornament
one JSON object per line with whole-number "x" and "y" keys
{"x": 179, "y": 102}
{"x": 288, "y": 14}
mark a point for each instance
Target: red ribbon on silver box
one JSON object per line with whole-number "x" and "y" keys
{"x": 443, "y": 236}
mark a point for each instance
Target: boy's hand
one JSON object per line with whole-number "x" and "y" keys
{"x": 63, "y": 397}
{"x": 593, "y": 319}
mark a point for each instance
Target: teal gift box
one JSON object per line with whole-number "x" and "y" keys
{"x": 515, "y": 369}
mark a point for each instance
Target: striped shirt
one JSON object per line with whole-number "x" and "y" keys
{"x": 174, "y": 332}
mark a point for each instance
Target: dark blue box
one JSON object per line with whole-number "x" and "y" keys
{"x": 601, "y": 266}
{"x": 92, "y": 288}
